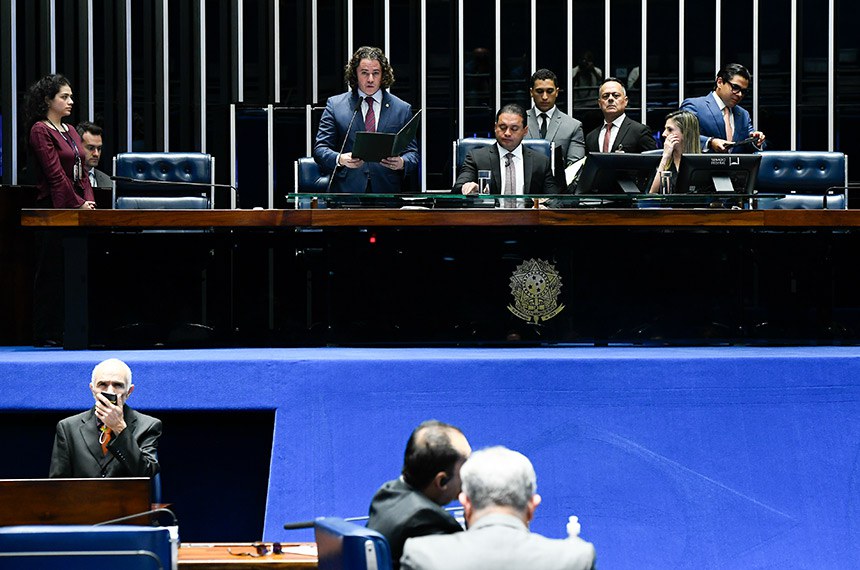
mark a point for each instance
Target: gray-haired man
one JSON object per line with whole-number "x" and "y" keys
{"x": 499, "y": 501}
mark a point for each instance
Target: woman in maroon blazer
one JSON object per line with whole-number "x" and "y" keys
{"x": 56, "y": 147}
{"x": 56, "y": 162}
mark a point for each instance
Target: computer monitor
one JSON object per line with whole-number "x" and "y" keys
{"x": 717, "y": 174}
{"x": 617, "y": 173}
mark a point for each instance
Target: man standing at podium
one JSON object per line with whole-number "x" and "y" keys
{"x": 367, "y": 106}
{"x": 110, "y": 439}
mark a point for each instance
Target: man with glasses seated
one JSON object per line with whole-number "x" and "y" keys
{"x": 724, "y": 125}
{"x": 619, "y": 133}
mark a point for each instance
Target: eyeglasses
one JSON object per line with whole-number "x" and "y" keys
{"x": 261, "y": 549}
{"x": 737, "y": 89}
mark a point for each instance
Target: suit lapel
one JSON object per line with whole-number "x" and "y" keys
{"x": 622, "y": 132}
{"x": 716, "y": 116}
{"x": 90, "y": 433}
{"x": 383, "y": 116}
{"x": 495, "y": 168}
{"x": 554, "y": 124}
{"x": 527, "y": 169}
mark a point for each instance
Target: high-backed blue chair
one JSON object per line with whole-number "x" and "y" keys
{"x": 809, "y": 180}
{"x": 344, "y": 545}
{"x": 155, "y": 171}
{"x": 73, "y": 547}
{"x": 463, "y": 146}
{"x": 309, "y": 178}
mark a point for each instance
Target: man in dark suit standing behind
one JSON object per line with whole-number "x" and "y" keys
{"x": 619, "y": 132}
{"x": 367, "y": 106}
{"x": 723, "y": 123}
{"x": 515, "y": 169}
{"x": 91, "y": 135}
{"x": 110, "y": 439}
{"x": 412, "y": 504}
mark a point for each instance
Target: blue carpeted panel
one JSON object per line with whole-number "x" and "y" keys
{"x": 685, "y": 458}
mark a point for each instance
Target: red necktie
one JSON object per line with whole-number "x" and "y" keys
{"x": 726, "y": 118}
{"x": 606, "y": 137}
{"x": 370, "y": 118}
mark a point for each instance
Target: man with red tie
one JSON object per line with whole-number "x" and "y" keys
{"x": 110, "y": 439}
{"x": 724, "y": 125}
{"x": 619, "y": 133}
{"x": 367, "y": 106}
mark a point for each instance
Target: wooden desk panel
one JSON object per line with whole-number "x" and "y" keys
{"x": 217, "y": 557}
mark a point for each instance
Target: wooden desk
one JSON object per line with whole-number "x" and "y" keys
{"x": 375, "y": 276}
{"x": 197, "y": 556}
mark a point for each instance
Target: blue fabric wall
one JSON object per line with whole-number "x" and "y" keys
{"x": 685, "y": 458}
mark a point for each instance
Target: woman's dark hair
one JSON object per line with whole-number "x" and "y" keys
{"x": 37, "y": 97}
{"x": 350, "y": 72}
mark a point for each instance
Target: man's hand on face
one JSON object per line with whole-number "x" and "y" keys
{"x": 110, "y": 414}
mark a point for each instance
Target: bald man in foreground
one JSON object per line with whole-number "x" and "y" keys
{"x": 110, "y": 439}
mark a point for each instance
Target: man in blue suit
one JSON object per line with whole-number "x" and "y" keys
{"x": 723, "y": 124}
{"x": 367, "y": 106}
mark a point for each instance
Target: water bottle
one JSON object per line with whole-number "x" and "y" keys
{"x": 665, "y": 182}
{"x": 484, "y": 181}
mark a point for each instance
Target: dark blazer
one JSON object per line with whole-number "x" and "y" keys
{"x": 399, "y": 512}
{"x": 632, "y": 137}
{"x": 536, "y": 169}
{"x": 77, "y": 452}
{"x": 335, "y": 120}
{"x": 712, "y": 124}
{"x": 102, "y": 179}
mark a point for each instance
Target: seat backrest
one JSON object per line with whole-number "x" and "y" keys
{"x": 309, "y": 178}
{"x": 73, "y": 547}
{"x": 805, "y": 177}
{"x": 159, "y": 169}
{"x": 344, "y": 545}
{"x": 462, "y": 147}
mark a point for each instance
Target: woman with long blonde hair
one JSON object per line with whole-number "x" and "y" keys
{"x": 680, "y": 136}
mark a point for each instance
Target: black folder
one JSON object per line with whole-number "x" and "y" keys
{"x": 373, "y": 147}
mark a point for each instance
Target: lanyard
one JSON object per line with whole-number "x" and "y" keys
{"x": 77, "y": 170}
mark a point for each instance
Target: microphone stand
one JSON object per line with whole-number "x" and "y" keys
{"x": 137, "y": 515}
{"x": 176, "y": 183}
{"x": 343, "y": 145}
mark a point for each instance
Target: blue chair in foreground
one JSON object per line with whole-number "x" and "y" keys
{"x": 803, "y": 180}
{"x": 308, "y": 177}
{"x": 73, "y": 547}
{"x": 463, "y": 146}
{"x": 148, "y": 177}
{"x": 344, "y": 545}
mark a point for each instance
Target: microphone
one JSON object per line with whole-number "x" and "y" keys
{"x": 298, "y": 524}
{"x": 175, "y": 183}
{"x": 131, "y": 517}
{"x": 342, "y": 146}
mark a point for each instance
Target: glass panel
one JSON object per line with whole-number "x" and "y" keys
{"x": 257, "y": 64}
{"x": 440, "y": 109}
{"x": 774, "y": 77}
{"x": 587, "y": 74}
{"x": 812, "y": 76}
{"x": 479, "y": 75}
{"x": 515, "y": 52}
{"x": 184, "y": 39}
{"x": 626, "y": 52}
{"x": 295, "y": 52}
{"x": 662, "y": 62}
{"x": 331, "y": 53}
{"x": 699, "y": 68}
{"x": 367, "y": 23}
{"x": 848, "y": 82}
{"x": 144, "y": 91}
{"x": 551, "y": 44}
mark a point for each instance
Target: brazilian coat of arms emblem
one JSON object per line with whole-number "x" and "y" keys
{"x": 535, "y": 286}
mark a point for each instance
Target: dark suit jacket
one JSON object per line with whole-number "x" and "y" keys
{"x": 632, "y": 137}
{"x": 399, "y": 512}
{"x": 712, "y": 124}
{"x": 335, "y": 120}
{"x": 77, "y": 452}
{"x": 536, "y": 169}
{"x": 102, "y": 179}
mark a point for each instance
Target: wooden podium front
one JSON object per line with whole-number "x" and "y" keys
{"x": 72, "y": 501}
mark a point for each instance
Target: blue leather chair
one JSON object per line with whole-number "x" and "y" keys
{"x": 161, "y": 168}
{"x": 463, "y": 146}
{"x": 309, "y": 178}
{"x": 73, "y": 547}
{"x": 809, "y": 180}
{"x": 344, "y": 545}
